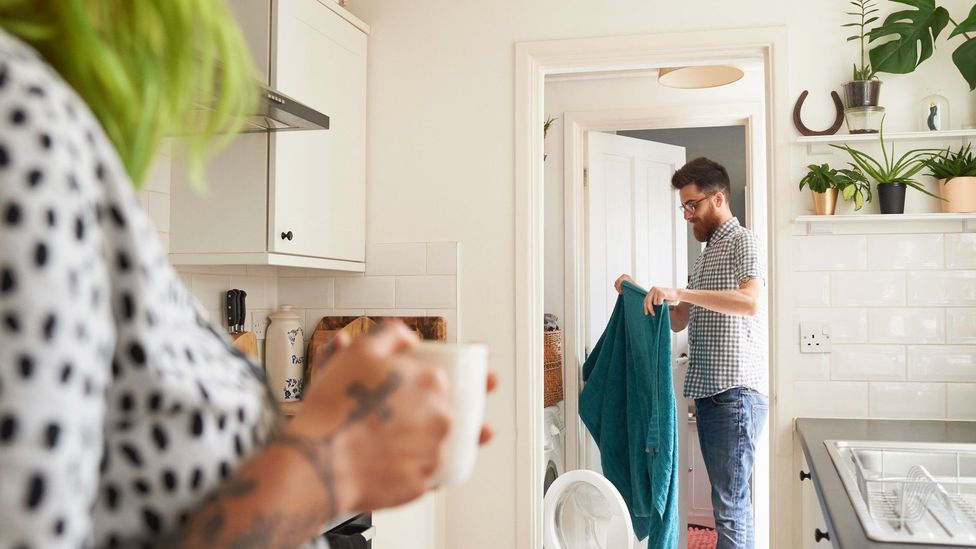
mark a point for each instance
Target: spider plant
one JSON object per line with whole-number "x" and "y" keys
{"x": 889, "y": 170}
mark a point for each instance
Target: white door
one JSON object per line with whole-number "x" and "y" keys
{"x": 634, "y": 227}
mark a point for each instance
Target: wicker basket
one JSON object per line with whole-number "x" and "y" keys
{"x": 552, "y": 367}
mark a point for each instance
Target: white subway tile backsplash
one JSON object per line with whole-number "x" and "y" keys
{"x": 293, "y": 272}
{"x": 960, "y": 251}
{"x": 159, "y": 211}
{"x": 396, "y": 312}
{"x": 442, "y": 258}
{"x": 852, "y": 289}
{"x": 262, "y": 270}
{"x": 367, "y": 292}
{"x": 906, "y": 325}
{"x": 960, "y": 325}
{"x": 903, "y": 251}
{"x": 210, "y": 290}
{"x": 810, "y": 366}
{"x": 830, "y": 399}
{"x": 830, "y": 253}
{"x": 867, "y": 363}
{"x": 199, "y": 269}
{"x": 407, "y": 258}
{"x": 229, "y": 269}
{"x": 942, "y": 363}
{"x": 949, "y": 288}
{"x": 143, "y": 198}
{"x": 961, "y": 401}
{"x": 816, "y": 289}
{"x": 847, "y": 325}
{"x": 306, "y": 292}
{"x": 431, "y": 292}
{"x": 908, "y": 400}
{"x": 313, "y": 316}
{"x": 261, "y": 291}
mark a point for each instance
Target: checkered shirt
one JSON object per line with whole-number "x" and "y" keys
{"x": 726, "y": 351}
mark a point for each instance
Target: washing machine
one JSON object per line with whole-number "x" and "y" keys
{"x": 555, "y": 460}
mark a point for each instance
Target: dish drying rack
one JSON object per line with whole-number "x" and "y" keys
{"x": 903, "y": 500}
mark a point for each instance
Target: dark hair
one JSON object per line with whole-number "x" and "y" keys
{"x": 708, "y": 175}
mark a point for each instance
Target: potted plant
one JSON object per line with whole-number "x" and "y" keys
{"x": 956, "y": 172}
{"x": 906, "y": 38}
{"x": 864, "y": 88}
{"x": 825, "y": 183}
{"x": 892, "y": 176}
{"x": 545, "y": 131}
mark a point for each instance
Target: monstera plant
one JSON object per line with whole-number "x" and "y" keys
{"x": 906, "y": 38}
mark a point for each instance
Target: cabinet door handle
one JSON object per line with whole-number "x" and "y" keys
{"x": 818, "y": 535}
{"x": 287, "y": 236}
{"x": 804, "y": 475}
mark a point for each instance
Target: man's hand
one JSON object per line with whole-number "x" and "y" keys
{"x": 618, "y": 284}
{"x": 658, "y": 295}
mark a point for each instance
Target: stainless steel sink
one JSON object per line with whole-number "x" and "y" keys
{"x": 910, "y": 492}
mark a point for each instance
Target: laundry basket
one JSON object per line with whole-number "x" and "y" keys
{"x": 552, "y": 367}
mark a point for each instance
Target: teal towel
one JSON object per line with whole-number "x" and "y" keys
{"x": 628, "y": 406}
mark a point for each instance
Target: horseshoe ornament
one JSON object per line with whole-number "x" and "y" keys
{"x": 801, "y": 127}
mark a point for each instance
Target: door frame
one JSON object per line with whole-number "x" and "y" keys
{"x": 533, "y": 62}
{"x": 575, "y": 127}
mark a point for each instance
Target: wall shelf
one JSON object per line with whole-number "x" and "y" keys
{"x": 896, "y": 136}
{"x": 910, "y": 222}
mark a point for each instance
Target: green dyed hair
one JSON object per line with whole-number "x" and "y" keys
{"x": 143, "y": 67}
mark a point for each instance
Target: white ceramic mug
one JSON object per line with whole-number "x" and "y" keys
{"x": 466, "y": 366}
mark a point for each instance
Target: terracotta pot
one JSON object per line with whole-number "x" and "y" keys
{"x": 825, "y": 203}
{"x": 960, "y": 192}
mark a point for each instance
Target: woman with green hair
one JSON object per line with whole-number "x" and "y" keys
{"x": 126, "y": 418}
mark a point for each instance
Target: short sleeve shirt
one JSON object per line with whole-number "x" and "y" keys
{"x": 726, "y": 351}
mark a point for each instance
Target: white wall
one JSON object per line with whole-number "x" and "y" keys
{"x": 441, "y": 162}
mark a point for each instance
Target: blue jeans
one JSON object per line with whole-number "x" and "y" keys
{"x": 729, "y": 425}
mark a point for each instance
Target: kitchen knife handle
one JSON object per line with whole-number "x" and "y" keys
{"x": 804, "y": 475}
{"x": 818, "y": 535}
{"x": 241, "y": 309}
{"x": 231, "y": 302}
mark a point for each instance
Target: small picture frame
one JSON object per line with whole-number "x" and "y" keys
{"x": 933, "y": 113}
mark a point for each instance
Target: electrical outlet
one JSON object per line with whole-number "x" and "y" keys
{"x": 814, "y": 337}
{"x": 259, "y": 322}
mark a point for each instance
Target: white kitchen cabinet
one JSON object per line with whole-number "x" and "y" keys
{"x": 812, "y": 520}
{"x": 700, "y": 500}
{"x": 292, "y": 198}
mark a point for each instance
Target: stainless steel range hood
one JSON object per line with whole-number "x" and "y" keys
{"x": 277, "y": 112}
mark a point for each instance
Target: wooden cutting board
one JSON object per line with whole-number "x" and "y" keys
{"x": 426, "y": 327}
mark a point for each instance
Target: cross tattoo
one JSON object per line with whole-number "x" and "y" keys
{"x": 373, "y": 400}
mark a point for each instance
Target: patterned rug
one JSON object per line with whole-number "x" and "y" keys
{"x": 701, "y": 538}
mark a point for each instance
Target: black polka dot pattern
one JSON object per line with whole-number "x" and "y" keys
{"x": 121, "y": 408}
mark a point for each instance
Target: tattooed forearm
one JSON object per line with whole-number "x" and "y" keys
{"x": 318, "y": 453}
{"x": 218, "y": 522}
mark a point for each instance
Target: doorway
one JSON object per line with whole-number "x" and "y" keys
{"x": 536, "y": 61}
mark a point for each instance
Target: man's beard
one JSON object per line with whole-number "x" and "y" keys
{"x": 704, "y": 228}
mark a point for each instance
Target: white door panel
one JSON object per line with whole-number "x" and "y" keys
{"x": 634, "y": 227}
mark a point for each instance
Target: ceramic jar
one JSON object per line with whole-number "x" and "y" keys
{"x": 285, "y": 355}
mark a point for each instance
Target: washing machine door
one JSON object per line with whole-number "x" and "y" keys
{"x": 583, "y": 510}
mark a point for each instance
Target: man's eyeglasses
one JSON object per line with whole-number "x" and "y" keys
{"x": 690, "y": 206}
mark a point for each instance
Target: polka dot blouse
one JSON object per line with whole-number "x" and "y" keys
{"x": 121, "y": 406}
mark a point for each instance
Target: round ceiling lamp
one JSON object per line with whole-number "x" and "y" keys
{"x": 706, "y": 76}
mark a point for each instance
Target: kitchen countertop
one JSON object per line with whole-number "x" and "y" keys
{"x": 842, "y": 522}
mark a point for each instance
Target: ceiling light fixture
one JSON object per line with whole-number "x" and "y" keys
{"x": 707, "y": 76}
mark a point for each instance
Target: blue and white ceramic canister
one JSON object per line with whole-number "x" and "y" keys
{"x": 285, "y": 355}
